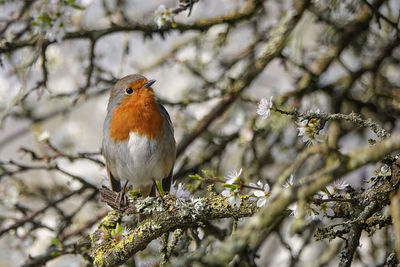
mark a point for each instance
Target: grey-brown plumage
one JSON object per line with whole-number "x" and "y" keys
{"x": 138, "y": 136}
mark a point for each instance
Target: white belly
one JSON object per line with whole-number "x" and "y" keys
{"x": 146, "y": 160}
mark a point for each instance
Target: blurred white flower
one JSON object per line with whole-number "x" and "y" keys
{"x": 53, "y": 20}
{"x": 317, "y": 111}
{"x": 232, "y": 191}
{"x": 24, "y": 239}
{"x": 162, "y": 16}
{"x": 329, "y": 211}
{"x": 315, "y": 212}
{"x": 264, "y": 107}
{"x": 320, "y": 211}
{"x": 233, "y": 176}
{"x": 233, "y": 195}
{"x": 44, "y": 136}
{"x": 289, "y": 182}
{"x": 57, "y": 30}
{"x": 180, "y": 191}
{"x": 339, "y": 185}
{"x": 309, "y": 129}
{"x": 9, "y": 192}
{"x": 260, "y": 195}
{"x": 41, "y": 134}
{"x": 246, "y": 134}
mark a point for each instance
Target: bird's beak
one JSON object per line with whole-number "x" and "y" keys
{"x": 148, "y": 84}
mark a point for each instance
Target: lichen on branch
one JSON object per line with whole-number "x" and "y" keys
{"x": 156, "y": 219}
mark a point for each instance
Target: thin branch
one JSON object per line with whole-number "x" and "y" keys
{"x": 352, "y": 117}
{"x": 147, "y": 29}
{"x": 272, "y": 48}
{"x": 30, "y": 217}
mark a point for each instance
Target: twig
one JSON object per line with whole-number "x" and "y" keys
{"x": 40, "y": 211}
{"x": 352, "y": 117}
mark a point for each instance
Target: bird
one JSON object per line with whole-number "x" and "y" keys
{"x": 138, "y": 137}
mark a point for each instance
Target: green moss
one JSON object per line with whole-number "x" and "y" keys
{"x": 111, "y": 219}
{"x": 120, "y": 247}
{"x": 101, "y": 250}
{"x": 98, "y": 260}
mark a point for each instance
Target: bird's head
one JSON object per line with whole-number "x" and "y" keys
{"x": 130, "y": 89}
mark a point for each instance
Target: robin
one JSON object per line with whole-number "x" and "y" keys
{"x": 138, "y": 137}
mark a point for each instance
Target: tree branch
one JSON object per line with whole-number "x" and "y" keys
{"x": 174, "y": 214}
{"x": 255, "y": 231}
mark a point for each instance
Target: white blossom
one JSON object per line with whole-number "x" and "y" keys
{"x": 264, "y": 107}
{"x": 180, "y": 191}
{"x": 329, "y": 211}
{"x": 309, "y": 130}
{"x": 57, "y": 31}
{"x": 315, "y": 212}
{"x": 24, "y": 238}
{"x": 52, "y": 20}
{"x": 260, "y": 195}
{"x": 233, "y": 195}
{"x": 43, "y": 136}
{"x": 162, "y": 16}
{"x": 317, "y": 111}
{"x": 339, "y": 185}
{"x": 10, "y": 192}
{"x": 233, "y": 176}
{"x": 318, "y": 212}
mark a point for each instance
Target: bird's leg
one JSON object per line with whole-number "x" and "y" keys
{"x": 161, "y": 194}
{"x": 122, "y": 198}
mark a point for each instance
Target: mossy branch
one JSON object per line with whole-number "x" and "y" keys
{"x": 161, "y": 218}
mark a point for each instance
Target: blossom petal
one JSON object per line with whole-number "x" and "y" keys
{"x": 261, "y": 202}
{"x": 226, "y": 193}
{"x": 259, "y": 193}
{"x": 266, "y": 187}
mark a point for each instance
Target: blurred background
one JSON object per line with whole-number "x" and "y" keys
{"x": 59, "y": 59}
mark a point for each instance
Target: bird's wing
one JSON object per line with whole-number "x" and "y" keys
{"x": 165, "y": 114}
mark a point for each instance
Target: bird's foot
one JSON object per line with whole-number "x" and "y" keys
{"x": 160, "y": 191}
{"x": 122, "y": 197}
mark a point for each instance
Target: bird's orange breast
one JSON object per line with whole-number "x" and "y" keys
{"x": 137, "y": 113}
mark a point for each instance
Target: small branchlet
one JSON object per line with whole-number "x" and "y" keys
{"x": 324, "y": 117}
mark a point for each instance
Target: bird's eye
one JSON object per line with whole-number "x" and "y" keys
{"x": 128, "y": 91}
